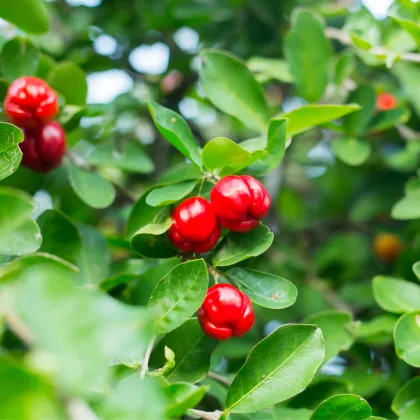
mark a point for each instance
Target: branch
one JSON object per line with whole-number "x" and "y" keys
{"x": 206, "y": 415}
{"x": 220, "y": 378}
{"x": 145, "y": 364}
{"x": 18, "y": 327}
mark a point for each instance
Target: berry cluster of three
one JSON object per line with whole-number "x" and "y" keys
{"x": 237, "y": 203}
{"x": 32, "y": 105}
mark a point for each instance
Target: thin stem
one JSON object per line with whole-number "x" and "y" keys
{"x": 206, "y": 415}
{"x": 201, "y": 186}
{"x": 145, "y": 364}
{"x": 18, "y": 327}
{"x": 79, "y": 410}
{"x": 220, "y": 378}
{"x": 214, "y": 273}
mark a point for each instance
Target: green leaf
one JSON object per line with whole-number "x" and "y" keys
{"x": 343, "y": 407}
{"x": 237, "y": 247}
{"x": 104, "y": 329}
{"x": 179, "y": 294}
{"x": 295, "y": 352}
{"x": 408, "y": 74}
{"x": 271, "y": 68}
{"x": 27, "y": 395}
{"x": 406, "y": 403}
{"x": 356, "y": 123}
{"x": 192, "y": 351}
{"x": 224, "y": 157}
{"x": 285, "y": 413}
{"x": 146, "y": 227}
{"x": 276, "y": 143}
{"x": 95, "y": 258}
{"x": 344, "y": 67}
{"x": 407, "y": 208}
{"x": 389, "y": 119}
{"x": 232, "y": 88}
{"x": 309, "y": 65}
{"x": 394, "y": 295}
{"x": 70, "y": 80}
{"x": 164, "y": 196}
{"x": 60, "y": 236}
{"x": 70, "y": 116}
{"x": 133, "y": 398}
{"x": 10, "y": 154}
{"x": 19, "y": 233}
{"x": 29, "y": 15}
{"x": 19, "y": 58}
{"x": 378, "y": 331}
{"x": 407, "y": 338}
{"x": 182, "y": 396}
{"x": 407, "y": 22}
{"x": 416, "y": 269}
{"x": 308, "y": 116}
{"x": 264, "y": 289}
{"x": 131, "y": 158}
{"x": 169, "y": 363}
{"x": 94, "y": 190}
{"x": 351, "y": 150}
{"x": 337, "y": 329}
{"x": 174, "y": 128}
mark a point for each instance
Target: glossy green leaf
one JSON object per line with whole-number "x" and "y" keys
{"x": 231, "y": 87}
{"x": 131, "y": 158}
{"x": 308, "y": 116}
{"x": 285, "y": 413}
{"x": 179, "y": 294}
{"x": 95, "y": 258}
{"x": 378, "y": 331}
{"x": 344, "y": 67}
{"x": 163, "y": 196}
{"x": 337, "y": 329}
{"x": 70, "y": 80}
{"x": 295, "y": 352}
{"x": 394, "y": 295}
{"x": 94, "y": 190}
{"x": 70, "y": 116}
{"x": 351, "y": 150}
{"x": 169, "y": 363}
{"x": 237, "y": 247}
{"x": 409, "y": 24}
{"x": 357, "y": 122}
{"x": 19, "y": 233}
{"x": 408, "y": 207}
{"x": 19, "y": 58}
{"x": 192, "y": 351}
{"x": 309, "y": 65}
{"x": 271, "y": 68}
{"x": 264, "y": 289}
{"x": 224, "y": 157}
{"x": 343, "y": 407}
{"x": 408, "y": 75}
{"x": 28, "y": 15}
{"x": 60, "y": 236}
{"x": 181, "y": 397}
{"x": 133, "y": 398}
{"x": 407, "y": 338}
{"x": 146, "y": 227}
{"x": 389, "y": 119}
{"x": 10, "y": 154}
{"x": 276, "y": 143}
{"x": 406, "y": 402}
{"x": 174, "y": 128}
{"x": 416, "y": 269}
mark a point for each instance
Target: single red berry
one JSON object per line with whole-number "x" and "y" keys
{"x": 385, "y": 101}
{"x": 225, "y": 312}
{"x": 44, "y": 148}
{"x": 195, "y": 226}
{"x": 30, "y": 102}
{"x": 240, "y": 202}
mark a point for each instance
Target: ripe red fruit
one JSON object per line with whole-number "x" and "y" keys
{"x": 240, "y": 202}
{"x": 44, "y": 148}
{"x": 385, "y": 101}
{"x": 30, "y": 102}
{"x": 225, "y": 312}
{"x": 195, "y": 226}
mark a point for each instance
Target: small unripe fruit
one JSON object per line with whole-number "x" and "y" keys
{"x": 385, "y": 101}
{"x": 387, "y": 247}
{"x": 195, "y": 226}
{"x": 225, "y": 312}
{"x": 30, "y": 102}
{"x": 240, "y": 202}
{"x": 44, "y": 148}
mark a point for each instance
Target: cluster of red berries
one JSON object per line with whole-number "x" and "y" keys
{"x": 236, "y": 203}
{"x": 31, "y": 105}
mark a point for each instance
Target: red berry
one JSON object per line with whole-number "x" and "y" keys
{"x": 195, "y": 226}
{"x": 240, "y": 202}
{"x": 30, "y": 102}
{"x": 225, "y": 312}
{"x": 44, "y": 148}
{"x": 386, "y": 101}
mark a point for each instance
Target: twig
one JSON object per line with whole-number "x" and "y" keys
{"x": 79, "y": 410}
{"x": 18, "y": 327}
{"x": 145, "y": 364}
{"x": 408, "y": 133}
{"x": 206, "y": 415}
{"x": 220, "y": 378}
